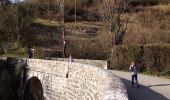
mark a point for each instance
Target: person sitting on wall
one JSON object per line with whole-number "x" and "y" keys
{"x": 71, "y": 59}
{"x": 134, "y": 72}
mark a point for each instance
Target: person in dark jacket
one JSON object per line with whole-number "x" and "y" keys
{"x": 134, "y": 73}
{"x": 30, "y": 53}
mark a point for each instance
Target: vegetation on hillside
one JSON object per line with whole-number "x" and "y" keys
{"x": 150, "y": 58}
{"x": 86, "y": 29}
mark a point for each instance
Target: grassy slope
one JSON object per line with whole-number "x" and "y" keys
{"x": 151, "y": 25}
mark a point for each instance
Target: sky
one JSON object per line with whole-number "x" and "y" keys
{"x": 14, "y": 1}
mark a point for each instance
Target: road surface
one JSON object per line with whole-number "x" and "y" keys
{"x": 151, "y": 87}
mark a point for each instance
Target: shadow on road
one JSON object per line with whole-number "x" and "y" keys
{"x": 142, "y": 93}
{"x": 158, "y": 85}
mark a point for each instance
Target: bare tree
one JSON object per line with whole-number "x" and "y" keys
{"x": 4, "y": 3}
{"x": 111, "y": 12}
{"x": 75, "y": 12}
{"x": 64, "y": 12}
{"x": 62, "y": 7}
{"x": 60, "y": 10}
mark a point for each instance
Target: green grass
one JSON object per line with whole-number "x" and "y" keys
{"x": 15, "y": 50}
{"x": 15, "y": 54}
{"x": 47, "y": 22}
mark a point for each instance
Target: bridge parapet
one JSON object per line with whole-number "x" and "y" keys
{"x": 48, "y": 66}
{"x": 75, "y": 81}
{"x": 98, "y": 63}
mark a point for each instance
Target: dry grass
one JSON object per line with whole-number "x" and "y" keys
{"x": 162, "y": 8}
{"x": 151, "y": 25}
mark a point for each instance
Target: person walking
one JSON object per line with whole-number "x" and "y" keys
{"x": 134, "y": 73}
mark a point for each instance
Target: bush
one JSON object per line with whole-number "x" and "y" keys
{"x": 122, "y": 56}
{"x": 40, "y": 53}
{"x": 157, "y": 58}
{"x": 144, "y": 2}
{"x": 10, "y": 79}
{"x": 84, "y": 49}
{"x": 153, "y": 58}
{"x": 2, "y": 51}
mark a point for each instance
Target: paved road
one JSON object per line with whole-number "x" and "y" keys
{"x": 151, "y": 87}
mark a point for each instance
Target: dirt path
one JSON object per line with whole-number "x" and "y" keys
{"x": 151, "y": 87}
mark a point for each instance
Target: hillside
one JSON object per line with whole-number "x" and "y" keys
{"x": 149, "y": 23}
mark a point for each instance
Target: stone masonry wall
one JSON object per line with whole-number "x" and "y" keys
{"x": 97, "y": 63}
{"x": 75, "y": 81}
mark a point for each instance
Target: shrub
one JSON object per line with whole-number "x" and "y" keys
{"x": 39, "y": 53}
{"x": 2, "y": 51}
{"x": 122, "y": 56}
{"x": 144, "y": 2}
{"x": 85, "y": 49}
{"x": 10, "y": 79}
{"x": 157, "y": 58}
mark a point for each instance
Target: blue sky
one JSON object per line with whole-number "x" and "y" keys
{"x": 14, "y": 1}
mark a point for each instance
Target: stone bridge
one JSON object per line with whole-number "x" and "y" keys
{"x": 71, "y": 81}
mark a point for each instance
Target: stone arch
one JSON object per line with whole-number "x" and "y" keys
{"x": 33, "y": 89}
